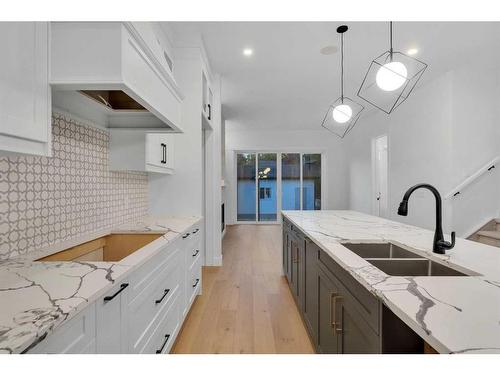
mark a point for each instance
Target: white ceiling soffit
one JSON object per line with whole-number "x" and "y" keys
{"x": 287, "y": 83}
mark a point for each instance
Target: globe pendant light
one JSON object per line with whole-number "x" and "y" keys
{"x": 391, "y": 78}
{"x": 343, "y": 113}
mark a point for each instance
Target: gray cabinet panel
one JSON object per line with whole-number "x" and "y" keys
{"x": 310, "y": 310}
{"x": 354, "y": 334}
{"x": 327, "y": 337}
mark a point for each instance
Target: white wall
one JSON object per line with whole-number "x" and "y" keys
{"x": 434, "y": 137}
{"x": 333, "y": 183}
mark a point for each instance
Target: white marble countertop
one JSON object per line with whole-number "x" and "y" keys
{"x": 454, "y": 314}
{"x": 37, "y": 297}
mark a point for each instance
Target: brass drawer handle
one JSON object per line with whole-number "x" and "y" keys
{"x": 333, "y": 323}
{"x": 337, "y": 326}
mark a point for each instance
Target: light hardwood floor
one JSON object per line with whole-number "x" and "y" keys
{"x": 246, "y": 306}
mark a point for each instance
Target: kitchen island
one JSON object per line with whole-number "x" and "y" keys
{"x": 455, "y": 313}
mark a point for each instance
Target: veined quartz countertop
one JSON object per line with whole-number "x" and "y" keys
{"x": 37, "y": 297}
{"x": 454, "y": 314}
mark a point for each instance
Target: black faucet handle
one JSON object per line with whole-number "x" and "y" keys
{"x": 447, "y": 245}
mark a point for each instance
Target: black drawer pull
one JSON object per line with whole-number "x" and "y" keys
{"x": 196, "y": 283}
{"x": 196, "y": 253}
{"x": 186, "y": 235}
{"x": 195, "y": 231}
{"x": 167, "y": 336}
{"x": 122, "y": 287}
{"x": 209, "y": 112}
{"x": 162, "y": 297}
{"x": 163, "y": 153}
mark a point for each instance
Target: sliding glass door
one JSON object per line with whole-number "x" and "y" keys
{"x": 290, "y": 181}
{"x": 267, "y": 187}
{"x": 268, "y": 182}
{"x": 246, "y": 165}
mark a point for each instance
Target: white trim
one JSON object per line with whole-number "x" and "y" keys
{"x": 469, "y": 180}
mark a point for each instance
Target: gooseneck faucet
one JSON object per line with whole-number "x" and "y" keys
{"x": 439, "y": 245}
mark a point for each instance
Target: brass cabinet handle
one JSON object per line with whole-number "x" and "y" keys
{"x": 332, "y": 309}
{"x": 337, "y": 326}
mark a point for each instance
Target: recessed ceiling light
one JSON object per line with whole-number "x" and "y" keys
{"x": 248, "y": 52}
{"x": 328, "y": 50}
{"x": 412, "y": 51}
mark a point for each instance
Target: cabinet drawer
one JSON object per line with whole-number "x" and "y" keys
{"x": 193, "y": 282}
{"x": 193, "y": 253}
{"x": 74, "y": 337}
{"x": 145, "y": 309}
{"x": 367, "y": 304}
{"x": 193, "y": 234}
{"x": 148, "y": 272}
{"x": 164, "y": 333}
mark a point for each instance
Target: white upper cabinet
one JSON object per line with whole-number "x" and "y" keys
{"x": 115, "y": 74}
{"x": 207, "y": 102}
{"x": 132, "y": 150}
{"x": 25, "y": 108}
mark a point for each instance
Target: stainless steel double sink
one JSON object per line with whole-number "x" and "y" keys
{"x": 397, "y": 261}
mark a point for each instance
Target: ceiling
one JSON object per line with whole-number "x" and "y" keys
{"x": 288, "y": 84}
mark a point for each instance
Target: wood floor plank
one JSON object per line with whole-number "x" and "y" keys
{"x": 246, "y": 305}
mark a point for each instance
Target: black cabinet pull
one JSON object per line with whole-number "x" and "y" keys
{"x": 196, "y": 253}
{"x": 196, "y": 230}
{"x": 163, "y": 153}
{"x": 186, "y": 235}
{"x": 167, "y": 336}
{"x": 122, "y": 287}
{"x": 196, "y": 283}
{"x": 162, "y": 297}
{"x": 209, "y": 112}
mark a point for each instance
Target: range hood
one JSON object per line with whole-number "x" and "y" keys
{"x": 115, "y": 75}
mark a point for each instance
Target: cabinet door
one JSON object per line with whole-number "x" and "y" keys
{"x": 354, "y": 334}
{"x": 111, "y": 322}
{"x": 310, "y": 309}
{"x": 284, "y": 249}
{"x": 25, "y": 113}
{"x": 76, "y": 336}
{"x": 295, "y": 253}
{"x": 327, "y": 335}
{"x": 289, "y": 259}
{"x": 160, "y": 151}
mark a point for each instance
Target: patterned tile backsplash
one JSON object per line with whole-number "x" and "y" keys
{"x": 48, "y": 200}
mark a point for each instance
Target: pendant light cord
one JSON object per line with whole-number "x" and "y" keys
{"x": 390, "y": 38}
{"x": 342, "y": 68}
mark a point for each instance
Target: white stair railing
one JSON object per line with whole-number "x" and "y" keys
{"x": 488, "y": 167}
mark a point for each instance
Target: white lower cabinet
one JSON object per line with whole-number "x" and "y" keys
{"x": 111, "y": 320}
{"x": 75, "y": 337}
{"x": 132, "y": 150}
{"x": 142, "y": 314}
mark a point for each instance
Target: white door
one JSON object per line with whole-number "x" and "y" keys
{"x": 380, "y": 174}
{"x": 24, "y": 92}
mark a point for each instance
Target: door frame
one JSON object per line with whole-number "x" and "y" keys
{"x": 278, "y": 153}
{"x": 374, "y": 205}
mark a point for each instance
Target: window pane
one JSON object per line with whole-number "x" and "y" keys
{"x": 267, "y": 187}
{"x": 290, "y": 181}
{"x": 311, "y": 177}
{"x": 246, "y": 187}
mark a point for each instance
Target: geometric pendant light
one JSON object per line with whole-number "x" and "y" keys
{"x": 391, "y": 78}
{"x": 343, "y": 113}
